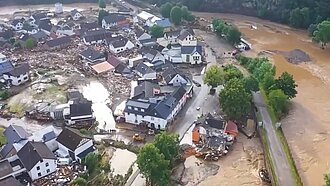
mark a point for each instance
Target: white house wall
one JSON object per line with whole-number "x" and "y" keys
{"x": 137, "y": 119}
{"x": 129, "y": 45}
{"x": 178, "y": 80}
{"x": 17, "y": 80}
{"x": 83, "y": 147}
{"x": 43, "y": 169}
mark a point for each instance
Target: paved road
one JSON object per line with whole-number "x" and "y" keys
{"x": 282, "y": 168}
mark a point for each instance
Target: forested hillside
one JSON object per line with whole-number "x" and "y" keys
{"x": 298, "y": 13}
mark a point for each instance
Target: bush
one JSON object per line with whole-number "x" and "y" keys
{"x": 4, "y": 94}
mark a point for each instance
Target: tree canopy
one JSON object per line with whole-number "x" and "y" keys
{"x": 228, "y": 32}
{"x": 327, "y": 179}
{"x": 102, "y": 4}
{"x": 153, "y": 165}
{"x": 102, "y": 14}
{"x": 279, "y": 101}
{"x": 322, "y": 33}
{"x": 168, "y": 145}
{"x": 156, "y": 31}
{"x": 232, "y": 72}
{"x": 251, "y": 84}
{"x": 92, "y": 162}
{"x": 79, "y": 182}
{"x": 165, "y": 9}
{"x": 213, "y": 76}
{"x": 29, "y": 43}
{"x": 176, "y": 15}
{"x": 287, "y": 84}
{"x": 234, "y": 99}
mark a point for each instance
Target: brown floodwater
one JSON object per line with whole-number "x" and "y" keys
{"x": 307, "y": 127}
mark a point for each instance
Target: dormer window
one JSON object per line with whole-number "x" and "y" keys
{"x": 136, "y": 109}
{"x": 129, "y": 107}
{"x": 142, "y": 110}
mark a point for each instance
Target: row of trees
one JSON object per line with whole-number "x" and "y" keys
{"x": 321, "y": 33}
{"x": 228, "y": 32}
{"x": 280, "y": 90}
{"x": 155, "y": 160}
{"x": 176, "y": 13}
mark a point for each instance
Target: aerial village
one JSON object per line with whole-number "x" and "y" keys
{"x": 86, "y": 83}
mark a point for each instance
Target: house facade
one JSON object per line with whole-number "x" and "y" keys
{"x": 187, "y": 39}
{"x": 114, "y": 20}
{"x": 17, "y": 24}
{"x": 75, "y": 14}
{"x": 145, "y": 72}
{"x": 18, "y": 75}
{"x": 191, "y": 54}
{"x": 172, "y": 36}
{"x": 119, "y": 44}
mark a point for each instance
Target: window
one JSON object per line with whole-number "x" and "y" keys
{"x": 136, "y": 109}
{"x": 152, "y": 118}
{"x": 129, "y": 107}
{"x": 39, "y": 174}
{"x": 142, "y": 110}
{"x": 38, "y": 168}
{"x": 18, "y": 76}
{"x": 196, "y": 57}
{"x": 41, "y": 161}
{"x": 47, "y": 164}
{"x": 19, "y": 81}
{"x": 48, "y": 171}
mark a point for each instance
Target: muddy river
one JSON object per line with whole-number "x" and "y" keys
{"x": 307, "y": 128}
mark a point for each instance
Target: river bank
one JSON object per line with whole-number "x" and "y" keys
{"x": 307, "y": 127}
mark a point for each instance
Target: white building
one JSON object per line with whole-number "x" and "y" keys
{"x": 147, "y": 18}
{"x": 119, "y": 44}
{"x": 187, "y": 39}
{"x": 191, "y": 54}
{"x": 58, "y": 8}
{"x": 75, "y": 14}
{"x": 172, "y": 76}
{"x": 38, "y": 160}
{"x": 73, "y": 144}
{"x": 17, "y": 24}
{"x": 145, "y": 72}
{"x": 18, "y": 75}
{"x": 154, "y": 112}
{"x": 174, "y": 54}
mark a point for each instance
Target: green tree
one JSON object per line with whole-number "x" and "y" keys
{"x": 287, "y": 84}
{"x": 213, "y": 76}
{"x": 102, "y": 4}
{"x": 279, "y": 101}
{"x": 234, "y": 99}
{"x": 327, "y": 179}
{"x": 157, "y": 31}
{"x": 184, "y": 12}
{"x": 251, "y": 84}
{"x": 153, "y": 165}
{"x": 102, "y": 14}
{"x": 176, "y": 15}
{"x": 190, "y": 17}
{"x": 322, "y": 33}
{"x": 79, "y": 182}
{"x": 29, "y": 43}
{"x": 262, "y": 68}
{"x": 168, "y": 145}
{"x": 92, "y": 162}
{"x": 296, "y": 18}
{"x": 268, "y": 82}
{"x": 165, "y": 9}
{"x": 233, "y": 35}
{"x": 232, "y": 72}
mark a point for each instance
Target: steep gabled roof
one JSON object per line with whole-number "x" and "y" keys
{"x": 117, "y": 42}
{"x": 19, "y": 70}
{"x": 58, "y": 41}
{"x": 5, "y": 168}
{"x": 143, "y": 69}
{"x": 175, "y": 33}
{"x": 32, "y": 152}
{"x": 191, "y": 49}
{"x": 114, "y": 18}
{"x": 71, "y": 138}
{"x": 89, "y": 25}
{"x": 92, "y": 54}
{"x": 81, "y": 109}
{"x": 96, "y": 35}
{"x": 114, "y": 61}
{"x": 74, "y": 12}
{"x": 170, "y": 73}
{"x": 15, "y": 133}
{"x": 145, "y": 89}
{"x": 10, "y": 181}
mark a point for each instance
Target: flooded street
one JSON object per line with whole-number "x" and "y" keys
{"x": 307, "y": 128}
{"x": 118, "y": 165}
{"x": 99, "y": 95}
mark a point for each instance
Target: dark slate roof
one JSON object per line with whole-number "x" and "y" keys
{"x": 122, "y": 69}
{"x": 89, "y": 25}
{"x": 6, "y": 66}
{"x": 70, "y": 138}
{"x": 148, "y": 42}
{"x": 114, "y": 61}
{"x": 45, "y": 25}
{"x": 210, "y": 121}
{"x": 171, "y": 72}
{"x": 96, "y": 35}
{"x": 58, "y": 41}
{"x": 5, "y": 168}
{"x": 173, "y": 33}
{"x": 92, "y": 54}
{"x": 150, "y": 53}
{"x": 39, "y": 35}
{"x": 143, "y": 69}
{"x": 85, "y": 152}
{"x": 138, "y": 104}
{"x": 117, "y": 42}
{"x": 191, "y": 49}
{"x": 10, "y": 181}
{"x": 216, "y": 142}
{"x": 179, "y": 93}
{"x": 16, "y": 21}
{"x": 73, "y": 12}
{"x": 164, "y": 23}
{"x": 139, "y": 32}
{"x": 19, "y": 70}
{"x": 39, "y": 16}
{"x": 49, "y": 136}
{"x": 81, "y": 109}
{"x": 114, "y": 18}
{"x": 145, "y": 90}
{"x": 6, "y": 149}
{"x": 32, "y": 152}
{"x": 183, "y": 35}
{"x": 15, "y": 133}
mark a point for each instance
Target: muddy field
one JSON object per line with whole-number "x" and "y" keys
{"x": 307, "y": 127}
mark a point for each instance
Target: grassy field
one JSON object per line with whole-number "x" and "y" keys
{"x": 284, "y": 143}
{"x": 2, "y": 137}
